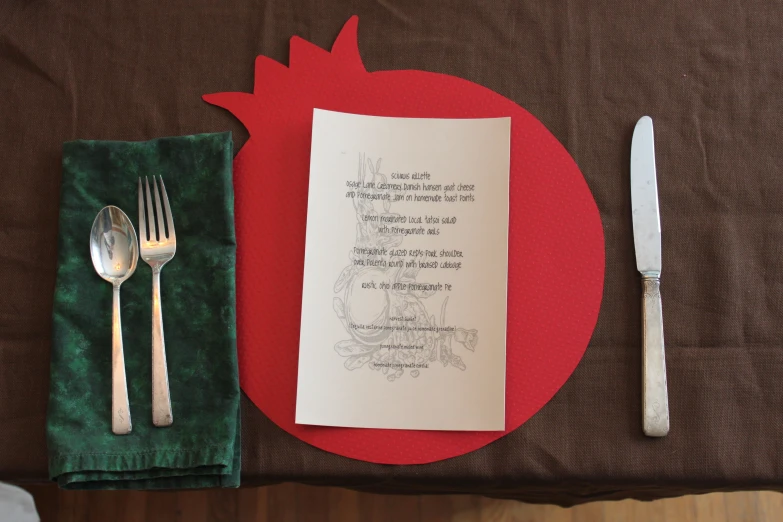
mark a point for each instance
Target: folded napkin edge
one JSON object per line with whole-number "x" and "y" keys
{"x": 150, "y": 140}
{"x": 174, "y": 458}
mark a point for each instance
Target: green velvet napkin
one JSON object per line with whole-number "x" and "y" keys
{"x": 201, "y": 449}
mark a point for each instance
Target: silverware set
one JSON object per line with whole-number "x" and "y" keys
{"x": 114, "y": 248}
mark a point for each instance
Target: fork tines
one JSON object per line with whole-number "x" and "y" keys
{"x": 164, "y": 228}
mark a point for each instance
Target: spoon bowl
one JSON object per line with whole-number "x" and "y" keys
{"x": 113, "y": 245}
{"x": 115, "y": 253}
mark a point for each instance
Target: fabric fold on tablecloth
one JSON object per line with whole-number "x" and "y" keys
{"x": 202, "y": 447}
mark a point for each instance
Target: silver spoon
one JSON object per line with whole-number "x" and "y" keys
{"x": 115, "y": 254}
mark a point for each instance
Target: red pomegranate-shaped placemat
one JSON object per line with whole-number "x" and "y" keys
{"x": 556, "y": 245}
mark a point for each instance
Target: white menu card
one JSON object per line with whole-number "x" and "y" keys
{"x": 405, "y": 275}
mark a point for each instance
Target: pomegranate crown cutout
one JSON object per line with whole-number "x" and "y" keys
{"x": 304, "y": 57}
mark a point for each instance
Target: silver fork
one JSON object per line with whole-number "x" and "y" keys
{"x": 157, "y": 249}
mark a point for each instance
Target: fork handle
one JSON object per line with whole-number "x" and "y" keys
{"x": 655, "y": 396}
{"x": 161, "y": 399}
{"x": 120, "y": 409}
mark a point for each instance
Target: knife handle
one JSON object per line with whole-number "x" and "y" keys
{"x": 655, "y": 397}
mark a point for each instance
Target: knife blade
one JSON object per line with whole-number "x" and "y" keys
{"x": 647, "y": 242}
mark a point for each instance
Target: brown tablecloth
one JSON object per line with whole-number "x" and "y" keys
{"x": 710, "y": 75}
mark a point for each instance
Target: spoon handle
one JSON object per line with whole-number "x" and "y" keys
{"x": 161, "y": 398}
{"x": 120, "y": 420}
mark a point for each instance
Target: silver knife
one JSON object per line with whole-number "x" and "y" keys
{"x": 647, "y": 240}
